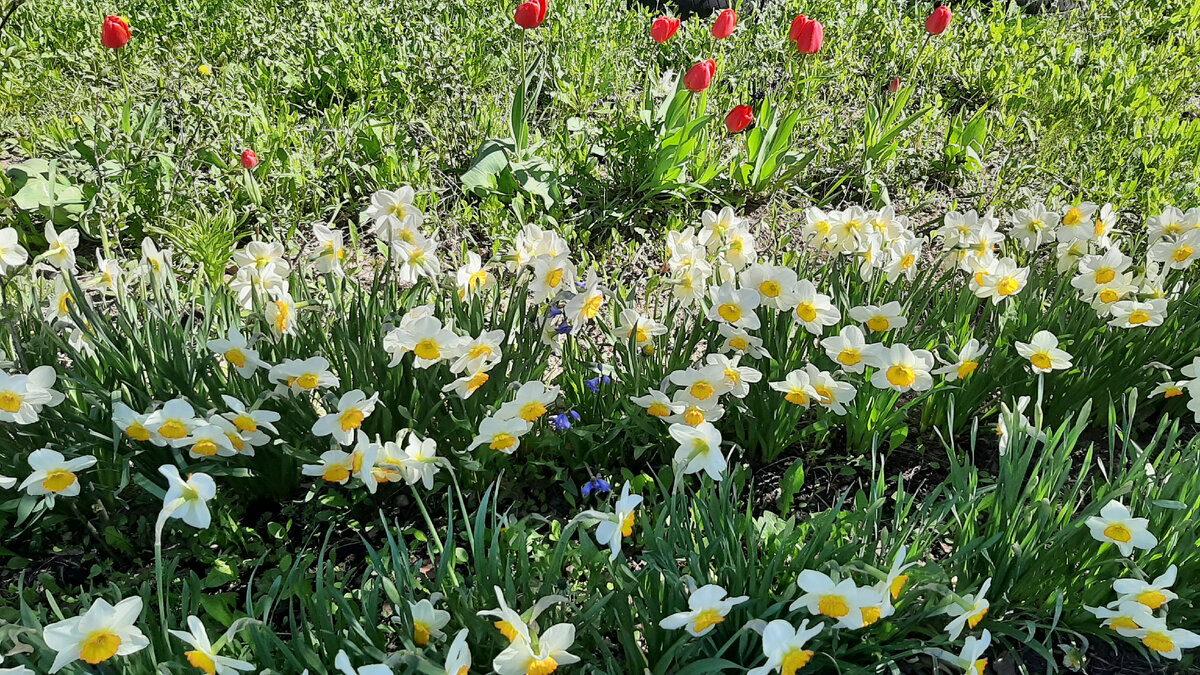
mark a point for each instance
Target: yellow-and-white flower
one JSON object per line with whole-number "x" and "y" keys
{"x": 968, "y": 610}
{"x": 715, "y": 227}
{"x": 657, "y": 404}
{"x": 250, "y": 422}
{"x": 841, "y": 601}
{"x": 632, "y": 325}
{"x": 738, "y": 378}
{"x": 964, "y": 363}
{"x": 12, "y": 254}
{"x": 172, "y": 423}
{"x": 428, "y": 620}
{"x": 418, "y": 460}
{"x": 796, "y": 388}
{"x": 1116, "y": 525}
{"x": 1177, "y": 252}
{"x": 1034, "y": 226}
{"x": 1138, "y": 314}
{"x": 54, "y": 475}
{"x": 501, "y": 435}
{"x": 693, "y": 412}
{"x": 334, "y": 466}
{"x": 458, "y": 656}
{"x": 203, "y": 655}
{"x": 396, "y": 218}
{"x": 417, "y": 259}
{"x": 701, "y": 383}
{"x": 281, "y": 315}
{"x": 1167, "y": 642}
{"x": 775, "y": 285}
{"x": 1003, "y": 281}
{"x": 473, "y": 278}
{"x": 330, "y": 250}
{"x": 902, "y": 257}
{"x": 707, "y": 607}
{"x": 541, "y": 655}
{"x": 699, "y": 449}
{"x": 352, "y": 408}
{"x": 426, "y": 337}
{"x": 530, "y": 403}
{"x": 342, "y": 663}
{"x": 818, "y": 227}
{"x": 108, "y": 274}
{"x": 811, "y": 309}
{"x": 155, "y": 262}
{"x": 207, "y": 440}
{"x": 132, "y": 424}
{"x": 301, "y": 376}
{"x": 740, "y": 340}
{"x": 1076, "y": 223}
{"x": 1123, "y": 614}
{"x": 187, "y": 499}
{"x": 899, "y": 368}
{"x": 1169, "y": 389}
{"x": 879, "y": 318}
{"x": 585, "y": 305}
{"x": 22, "y": 397}
{"x": 251, "y": 284}
{"x": 237, "y": 352}
{"x": 551, "y": 276}
{"x": 734, "y": 306}
{"x": 783, "y": 646}
{"x": 613, "y": 528}
{"x": 97, "y": 635}
{"x": 971, "y": 658}
{"x": 1043, "y": 353}
{"x": 1153, "y": 594}
{"x": 829, "y": 392}
{"x": 480, "y": 353}
{"x": 60, "y": 247}
{"x": 849, "y": 348}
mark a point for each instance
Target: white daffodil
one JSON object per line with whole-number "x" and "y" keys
{"x": 22, "y": 397}
{"x": 97, "y": 635}
{"x": 631, "y": 325}
{"x": 261, "y": 255}
{"x": 132, "y": 424}
{"x": 207, "y": 440}
{"x": 502, "y": 435}
{"x": 1116, "y": 525}
{"x": 1043, "y": 353}
{"x": 155, "y": 262}
{"x": 468, "y": 383}
{"x": 236, "y": 351}
{"x": 694, "y": 412}
{"x": 796, "y": 388}
{"x": 1123, "y": 614}
{"x": 818, "y": 227}
{"x": 902, "y": 257}
{"x": 813, "y": 310}
{"x": 783, "y": 646}
{"x": 1004, "y": 280}
{"x": 1152, "y": 594}
{"x": 841, "y": 601}
{"x": 479, "y": 353}
{"x": 775, "y": 285}
{"x": 418, "y": 258}
{"x": 879, "y": 318}
{"x": 330, "y": 251}
{"x": 188, "y": 499}
{"x": 242, "y": 443}
{"x": 250, "y": 422}
{"x": 585, "y": 306}
{"x": 963, "y": 363}
{"x": 428, "y": 620}
{"x": 901, "y": 369}
{"x": 1169, "y": 389}
{"x": 734, "y": 306}
{"x": 1034, "y": 226}
{"x": 613, "y": 528}
{"x": 530, "y": 402}
{"x": 896, "y": 578}
{"x": 1156, "y": 636}
{"x": 426, "y": 337}
{"x": 828, "y": 391}
{"x": 473, "y": 278}
{"x": 352, "y": 408}
{"x": 203, "y": 655}
{"x": 514, "y": 626}
{"x": 1136, "y": 314}
{"x": 552, "y": 274}
{"x": 701, "y": 383}
{"x": 458, "y": 656}
{"x": 54, "y": 475}
{"x": 542, "y": 655}
{"x": 738, "y": 378}
{"x": 342, "y": 663}
{"x": 657, "y": 404}
{"x": 1013, "y": 421}
{"x": 739, "y": 340}
{"x": 715, "y": 226}
{"x": 60, "y": 247}
{"x": 7, "y": 482}
{"x": 419, "y": 461}
{"x": 281, "y": 315}
{"x": 1177, "y": 252}
{"x": 848, "y": 348}
{"x": 396, "y": 219}
{"x": 302, "y": 376}
{"x": 251, "y": 283}
{"x": 12, "y": 254}
{"x": 689, "y": 284}
{"x": 1076, "y": 222}
{"x": 335, "y": 466}
{"x": 707, "y": 607}
{"x": 968, "y": 610}
{"x": 971, "y": 659}
{"x": 699, "y": 449}
{"x": 108, "y": 274}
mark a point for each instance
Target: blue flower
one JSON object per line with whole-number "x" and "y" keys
{"x": 595, "y": 383}
{"x": 555, "y": 310}
{"x": 563, "y": 329}
{"x": 562, "y": 421}
{"x": 596, "y": 485}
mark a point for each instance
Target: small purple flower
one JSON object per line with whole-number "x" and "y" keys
{"x": 596, "y": 382}
{"x": 562, "y": 421}
{"x": 563, "y": 329}
{"x": 596, "y": 485}
{"x": 555, "y": 310}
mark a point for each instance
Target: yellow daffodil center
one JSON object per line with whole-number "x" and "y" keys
{"x": 1152, "y": 599}
{"x": 1108, "y": 296}
{"x": 205, "y": 448}
{"x": 1008, "y": 286}
{"x": 1073, "y": 217}
{"x": 658, "y": 409}
{"x": 739, "y": 343}
{"x": 1118, "y": 532}
{"x": 730, "y": 311}
{"x": 879, "y": 323}
{"x": 397, "y": 210}
{"x": 1139, "y": 317}
{"x": 507, "y": 630}
{"x": 592, "y": 307}
{"x": 897, "y": 585}
{"x": 1172, "y": 392}
{"x": 137, "y": 432}
{"x": 627, "y": 525}
{"x": 503, "y": 441}
{"x": 479, "y": 351}
{"x": 205, "y": 71}
{"x": 542, "y": 666}
{"x": 202, "y": 661}
{"x": 477, "y": 280}
{"x": 352, "y": 419}
{"x": 980, "y": 665}
{"x": 236, "y": 441}
{"x": 1040, "y": 360}
{"x": 532, "y": 410}
{"x": 428, "y": 350}
{"x": 1159, "y": 642}
{"x": 236, "y": 357}
{"x": 901, "y": 375}
{"x": 642, "y": 334}
{"x": 706, "y": 619}
{"x": 554, "y": 277}
{"x": 770, "y": 289}
{"x": 1100, "y": 228}
{"x": 870, "y": 615}
{"x": 308, "y": 381}
{"x": 336, "y": 473}
{"x": 1105, "y": 274}
{"x": 477, "y": 380}
{"x": 794, "y": 660}
{"x": 797, "y": 397}
{"x": 824, "y": 394}
{"x": 10, "y": 401}
{"x": 702, "y": 390}
{"x": 58, "y": 480}
{"x": 822, "y": 227}
{"x": 172, "y": 429}
{"x": 833, "y": 606}
{"x": 1183, "y": 253}
{"x": 806, "y": 311}
{"x": 420, "y": 633}
{"x": 64, "y": 304}
{"x": 245, "y": 423}
{"x": 693, "y": 416}
{"x": 849, "y": 356}
{"x": 99, "y": 647}
{"x": 907, "y": 261}
{"x": 465, "y": 670}
{"x": 283, "y": 315}
{"x": 966, "y": 368}
{"x": 1123, "y": 622}
{"x": 975, "y": 618}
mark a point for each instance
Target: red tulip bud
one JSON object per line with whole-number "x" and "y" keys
{"x": 812, "y": 36}
{"x": 249, "y": 159}
{"x": 797, "y": 25}
{"x": 531, "y": 13}
{"x": 894, "y": 85}
{"x": 700, "y": 75}
{"x": 664, "y": 28}
{"x": 739, "y": 118}
{"x": 115, "y": 33}
{"x": 939, "y": 21}
{"x": 723, "y": 26}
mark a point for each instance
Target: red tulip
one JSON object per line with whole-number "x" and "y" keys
{"x": 700, "y": 75}
{"x": 249, "y": 159}
{"x": 812, "y": 36}
{"x": 531, "y": 13}
{"x": 894, "y": 85}
{"x": 664, "y": 28}
{"x": 115, "y": 33}
{"x": 797, "y": 25}
{"x": 739, "y": 118}
{"x": 723, "y": 26}
{"x": 939, "y": 21}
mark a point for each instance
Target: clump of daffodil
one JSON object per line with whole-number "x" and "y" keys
{"x": 707, "y": 607}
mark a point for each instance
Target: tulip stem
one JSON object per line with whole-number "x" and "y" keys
{"x": 917, "y": 61}
{"x": 121, "y": 70}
